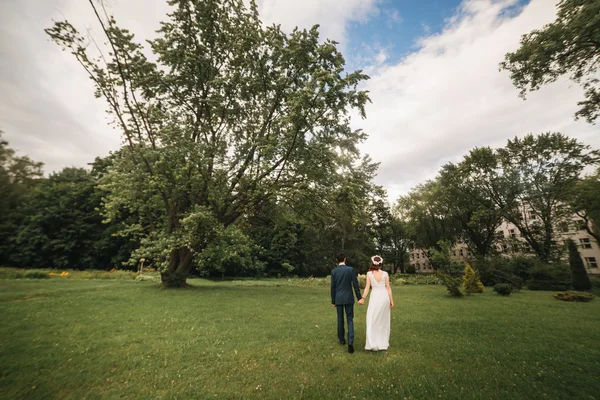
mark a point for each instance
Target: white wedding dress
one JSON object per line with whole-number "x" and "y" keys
{"x": 378, "y": 315}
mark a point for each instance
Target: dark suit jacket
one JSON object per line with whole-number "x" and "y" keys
{"x": 343, "y": 279}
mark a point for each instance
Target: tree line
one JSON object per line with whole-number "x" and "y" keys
{"x": 535, "y": 183}
{"x": 63, "y": 221}
{"x": 239, "y": 158}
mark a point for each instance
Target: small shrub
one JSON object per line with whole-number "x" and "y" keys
{"x": 549, "y": 277}
{"x": 503, "y": 289}
{"x": 411, "y": 269}
{"x": 574, "y": 296}
{"x": 480, "y": 287}
{"x": 362, "y": 281}
{"x": 470, "y": 281}
{"x": 453, "y": 284}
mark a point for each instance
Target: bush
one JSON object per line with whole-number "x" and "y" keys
{"x": 470, "y": 281}
{"x": 503, "y": 289}
{"x": 521, "y": 266}
{"x": 549, "y": 277}
{"x": 11, "y": 273}
{"x": 36, "y": 275}
{"x": 151, "y": 278}
{"x": 453, "y": 284}
{"x": 442, "y": 259}
{"x": 417, "y": 279}
{"x": 574, "y": 296}
{"x": 411, "y": 269}
{"x": 362, "y": 281}
{"x": 480, "y": 287}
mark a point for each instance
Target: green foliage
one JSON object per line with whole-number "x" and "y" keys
{"x": 416, "y": 279}
{"x": 531, "y": 181}
{"x": 471, "y": 208}
{"x": 521, "y": 265}
{"x": 574, "y": 296}
{"x": 428, "y": 216}
{"x": 18, "y": 273}
{"x": 568, "y": 46}
{"x": 18, "y": 176}
{"x": 441, "y": 258}
{"x": 556, "y": 276}
{"x": 498, "y": 269}
{"x": 232, "y": 250}
{"x": 470, "y": 281}
{"x": 503, "y": 289}
{"x": 580, "y": 279}
{"x": 362, "y": 280}
{"x": 232, "y": 114}
{"x": 453, "y": 284}
{"x": 61, "y": 227}
{"x": 411, "y": 269}
{"x": 36, "y": 275}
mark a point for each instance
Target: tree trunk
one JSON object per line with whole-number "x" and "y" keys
{"x": 180, "y": 266}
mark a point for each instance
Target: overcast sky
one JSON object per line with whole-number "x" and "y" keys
{"x": 435, "y": 86}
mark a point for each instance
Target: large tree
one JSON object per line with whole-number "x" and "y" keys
{"x": 568, "y": 46}
{"x": 428, "y": 216}
{"x": 531, "y": 182}
{"x": 474, "y": 211}
{"x": 232, "y": 114}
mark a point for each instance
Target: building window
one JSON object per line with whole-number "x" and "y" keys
{"x": 585, "y": 243}
{"x": 512, "y": 233}
{"x": 591, "y": 262}
{"x": 564, "y": 226}
{"x": 582, "y": 225}
{"x": 505, "y": 248}
{"x": 461, "y": 252}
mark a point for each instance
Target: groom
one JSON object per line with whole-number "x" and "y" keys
{"x": 343, "y": 279}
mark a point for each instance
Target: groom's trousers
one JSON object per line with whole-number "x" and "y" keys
{"x": 349, "y": 308}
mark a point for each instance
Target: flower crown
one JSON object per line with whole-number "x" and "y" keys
{"x": 377, "y": 260}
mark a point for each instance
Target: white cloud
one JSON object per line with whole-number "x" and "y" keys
{"x": 448, "y": 96}
{"x": 332, "y": 15}
{"x": 47, "y": 108}
{"x": 393, "y": 16}
{"x": 430, "y": 108}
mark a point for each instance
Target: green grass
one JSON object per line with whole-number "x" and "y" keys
{"x": 92, "y": 339}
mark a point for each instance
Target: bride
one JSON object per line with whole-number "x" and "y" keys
{"x": 378, "y": 311}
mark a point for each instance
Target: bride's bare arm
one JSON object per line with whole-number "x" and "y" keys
{"x": 367, "y": 287}
{"x": 389, "y": 289}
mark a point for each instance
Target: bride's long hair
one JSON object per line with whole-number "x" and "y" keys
{"x": 376, "y": 263}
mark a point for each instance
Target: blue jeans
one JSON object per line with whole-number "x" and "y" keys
{"x": 349, "y": 317}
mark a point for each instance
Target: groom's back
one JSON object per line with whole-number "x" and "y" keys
{"x": 341, "y": 277}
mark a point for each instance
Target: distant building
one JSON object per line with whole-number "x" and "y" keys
{"x": 510, "y": 243}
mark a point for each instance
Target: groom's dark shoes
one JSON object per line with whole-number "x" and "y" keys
{"x": 350, "y": 349}
{"x": 342, "y": 343}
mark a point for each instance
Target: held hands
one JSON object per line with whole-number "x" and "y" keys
{"x": 361, "y": 301}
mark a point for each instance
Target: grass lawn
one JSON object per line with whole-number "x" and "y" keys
{"x": 127, "y": 339}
